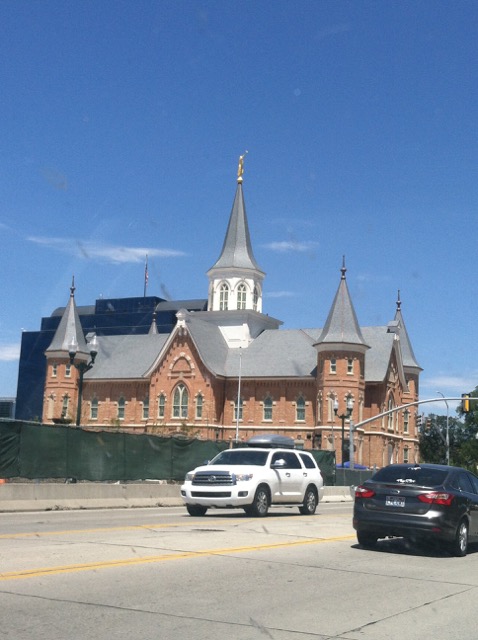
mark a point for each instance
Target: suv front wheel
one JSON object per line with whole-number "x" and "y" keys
{"x": 260, "y": 504}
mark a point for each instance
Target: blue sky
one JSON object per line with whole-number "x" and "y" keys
{"x": 122, "y": 123}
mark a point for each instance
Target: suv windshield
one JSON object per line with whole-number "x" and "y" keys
{"x": 231, "y": 457}
{"x": 414, "y": 475}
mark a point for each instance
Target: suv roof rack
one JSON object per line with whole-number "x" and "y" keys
{"x": 271, "y": 441}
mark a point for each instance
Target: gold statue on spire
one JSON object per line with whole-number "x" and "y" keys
{"x": 240, "y": 168}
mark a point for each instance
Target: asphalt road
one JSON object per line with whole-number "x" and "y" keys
{"x": 158, "y": 574}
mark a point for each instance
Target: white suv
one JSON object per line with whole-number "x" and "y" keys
{"x": 254, "y": 478}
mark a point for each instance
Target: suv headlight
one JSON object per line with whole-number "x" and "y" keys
{"x": 243, "y": 477}
{"x": 189, "y": 476}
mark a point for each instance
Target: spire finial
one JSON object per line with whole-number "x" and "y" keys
{"x": 343, "y": 269}
{"x": 72, "y": 288}
{"x": 399, "y": 302}
{"x": 240, "y": 168}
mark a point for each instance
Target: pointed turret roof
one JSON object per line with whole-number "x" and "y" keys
{"x": 69, "y": 330}
{"x": 408, "y": 356}
{"x": 237, "y": 251}
{"x": 342, "y": 326}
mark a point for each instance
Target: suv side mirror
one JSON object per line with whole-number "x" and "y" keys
{"x": 278, "y": 464}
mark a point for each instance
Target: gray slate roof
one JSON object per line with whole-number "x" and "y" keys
{"x": 237, "y": 248}
{"x": 342, "y": 325}
{"x": 69, "y": 329}
{"x": 125, "y": 357}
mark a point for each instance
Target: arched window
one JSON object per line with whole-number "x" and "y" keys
{"x": 199, "y": 405}
{"x": 255, "y": 299}
{"x": 241, "y": 296}
{"x": 121, "y": 406}
{"x": 223, "y": 297}
{"x": 300, "y": 409}
{"x": 161, "y": 405}
{"x": 390, "y": 417}
{"x": 180, "y": 402}
{"x": 267, "y": 408}
{"x": 94, "y": 409}
{"x": 146, "y": 408}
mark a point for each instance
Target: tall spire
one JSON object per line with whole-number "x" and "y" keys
{"x": 342, "y": 327}
{"x": 409, "y": 360}
{"x": 236, "y": 266}
{"x": 69, "y": 331}
{"x": 237, "y": 248}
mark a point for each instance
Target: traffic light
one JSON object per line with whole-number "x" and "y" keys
{"x": 465, "y": 402}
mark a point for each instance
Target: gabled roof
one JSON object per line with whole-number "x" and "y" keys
{"x": 342, "y": 326}
{"x": 125, "y": 357}
{"x": 237, "y": 251}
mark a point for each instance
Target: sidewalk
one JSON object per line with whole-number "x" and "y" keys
{"x": 16, "y": 497}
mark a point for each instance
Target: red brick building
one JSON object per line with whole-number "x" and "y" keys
{"x": 230, "y": 371}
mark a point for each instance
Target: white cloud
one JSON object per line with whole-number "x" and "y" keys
{"x": 104, "y": 252}
{"x": 287, "y": 246}
{"x": 457, "y": 384}
{"x": 9, "y": 352}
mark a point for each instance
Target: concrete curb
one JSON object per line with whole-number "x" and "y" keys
{"x": 15, "y": 497}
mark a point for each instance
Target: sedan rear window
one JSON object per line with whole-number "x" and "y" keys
{"x": 414, "y": 475}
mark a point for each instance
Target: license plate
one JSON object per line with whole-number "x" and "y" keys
{"x": 394, "y": 501}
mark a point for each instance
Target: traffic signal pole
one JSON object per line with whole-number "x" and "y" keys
{"x": 465, "y": 399}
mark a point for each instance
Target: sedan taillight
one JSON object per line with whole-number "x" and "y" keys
{"x": 437, "y": 497}
{"x": 364, "y": 492}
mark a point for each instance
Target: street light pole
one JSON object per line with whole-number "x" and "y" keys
{"x": 343, "y": 417}
{"x": 82, "y": 367}
{"x": 238, "y": 406}
{"x": 447, "y": 441}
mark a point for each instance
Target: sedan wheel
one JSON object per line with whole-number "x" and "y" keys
{"x": 459, "y": 546}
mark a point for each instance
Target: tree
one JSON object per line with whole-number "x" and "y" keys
{"x": 462, "y": 437}
{"x": 432, "y": 439}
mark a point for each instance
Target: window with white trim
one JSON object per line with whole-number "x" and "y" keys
{"x": 199, "y": 405}
{"x": 161, "y": 405}
{"x": 241, "y": 296}
{"x": 223, "y": 297}
{"x": 121, "y": 408}
{"x": 180, "y": 402}
{"x": 94, "y": 409}
{"x": 146, "y": 408}
{"x": 300, "y": 409}
{"x": 240, "y": 409}
{"x": 267, "y": 409}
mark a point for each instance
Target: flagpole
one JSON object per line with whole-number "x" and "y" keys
{"x": 146, "y": 277}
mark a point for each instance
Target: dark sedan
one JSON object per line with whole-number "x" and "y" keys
{"x": 420, "y": 502}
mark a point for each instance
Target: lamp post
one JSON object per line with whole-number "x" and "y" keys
{"x": 343, "y": 417}
{"x": 447, "y": 440}
{"x": 238, "y": 407}
{"x": 82, "y": 366}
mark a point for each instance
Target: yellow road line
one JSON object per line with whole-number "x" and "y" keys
{"x": 92, "y": 566}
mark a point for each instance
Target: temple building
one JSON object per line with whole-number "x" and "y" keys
{"x": 224, "y": 369}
